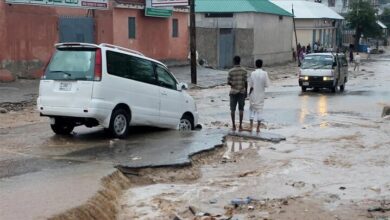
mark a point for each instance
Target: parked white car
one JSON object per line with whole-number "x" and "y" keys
{"x": 111, "y": 86}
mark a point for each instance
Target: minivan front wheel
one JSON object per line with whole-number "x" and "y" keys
{"x": 119, "y": 123}
{"x": 342, "y": 87}
{"x": 62, "y": 127}
{"x": 185, "y": 123}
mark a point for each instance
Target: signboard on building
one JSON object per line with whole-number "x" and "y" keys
{"x": 86, "y": 4}
{"x": 162, "y": 12}
{"x": 164, "y": 3}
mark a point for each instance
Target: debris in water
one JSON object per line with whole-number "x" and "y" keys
{"x": 299, "y": 184}
{"x": 247, "y": 173}
{"x": 342, "y": 188}
{"x": 213, "y": 201}
{"x": 386, "y": 111}
{"x": 378, "y": 209}
{"x": 241, "y": 201}
{"x": 136, "y": 158}
{"x": 263, "y": 214}
{"x": 3, "y": 110}
{"x": 375, "y": 189}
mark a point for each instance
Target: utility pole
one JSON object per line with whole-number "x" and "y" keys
{"x": 295, "y": 32}
{"x": 193, "y": 42}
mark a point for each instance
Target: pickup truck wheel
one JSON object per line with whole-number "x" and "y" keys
{"x": 303, "y": 88}
{"x": 119, "y": 123}
{"x": 61, "y": 127}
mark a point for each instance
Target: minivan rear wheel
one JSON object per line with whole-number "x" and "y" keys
{"x": 62, "y": 127}
{"x": 119, "y": 123}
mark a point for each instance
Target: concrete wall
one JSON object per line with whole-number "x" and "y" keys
{"x": 243, "y": 45}
{"x": 256, "y": 36}
{"x": 207, "y": 44}
{"x": 153, "y": 35}
{"x": 272, "y": 39}
{"x": 104, "y": 26}
{"x": 27, "y": 36}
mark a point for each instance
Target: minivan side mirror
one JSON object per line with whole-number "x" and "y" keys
{"x": 182, "y": 86}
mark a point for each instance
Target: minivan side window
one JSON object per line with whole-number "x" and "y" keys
{"x": 130, "y": 67}
{"x": 165, "y": 79}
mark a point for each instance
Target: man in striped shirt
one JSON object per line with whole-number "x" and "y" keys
{"x": 237, "y": 79}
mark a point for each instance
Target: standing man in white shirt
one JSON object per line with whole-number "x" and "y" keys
{"x": 257, "y": 82}
{"x": 357, "y": 61}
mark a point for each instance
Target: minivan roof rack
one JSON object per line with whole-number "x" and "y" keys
{"x": 121, "y": 48}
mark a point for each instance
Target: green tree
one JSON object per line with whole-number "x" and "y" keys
{"x": 385, "y": 17}
{"x": 362, "y": 18}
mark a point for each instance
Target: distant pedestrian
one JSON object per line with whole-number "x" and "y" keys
{"x": 308, "y": 49}
{"x": 257, "y": 82}
{"x": 350, "y": 55}
{"x": 294, "y": 55}
{"x": 237, "y": 79}
{"x": 357, "y": 61}
{"x": 302, "y": 54}
{"x": 368, "y": 52}
{"x": 315, "y": 47}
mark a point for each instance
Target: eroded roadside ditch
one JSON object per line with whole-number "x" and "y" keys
{"x": 105, "y": 203}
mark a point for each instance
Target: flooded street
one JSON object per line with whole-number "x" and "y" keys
{"x": 333, "y": 164}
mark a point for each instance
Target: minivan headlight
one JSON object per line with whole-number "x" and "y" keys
{"x": 304, "y": 77}
{"x": 328, "y": 78}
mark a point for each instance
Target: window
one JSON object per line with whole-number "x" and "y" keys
{"x": 280, "y": 17}
{"x": 219, "y": 15}
{"x": 175, "y": 27}
{"x": 130, "y": 67}
{"x": 72, "y": 64}
{"x": 132, "y": 28}
{"x": 165, "y": 79}
{"x": 331, "y": 3}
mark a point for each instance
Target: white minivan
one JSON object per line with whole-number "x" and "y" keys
{"x": 323, "y": 70}
{"x": 111, "y": 86}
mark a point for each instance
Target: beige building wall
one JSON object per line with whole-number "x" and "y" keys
{"x": 272, "y": 38}
{"x": 257, "y": 36}
{"x": 325, "y": 32}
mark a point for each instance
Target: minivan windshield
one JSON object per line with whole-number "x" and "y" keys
{"x": 317, "y": 62}
{"x": 72, "y": 64}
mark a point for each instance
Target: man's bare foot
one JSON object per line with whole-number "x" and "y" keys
{"x": 240, "y": 128}
{"x": 234, "y": 128}
{"x": 257, "y": 130}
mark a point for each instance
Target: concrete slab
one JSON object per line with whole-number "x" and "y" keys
{"x": 156, "y": 149}
{"x": 265, "y": 136}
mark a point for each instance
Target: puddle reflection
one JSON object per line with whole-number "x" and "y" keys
{"x": 234, "y": 146}
{"x": 320, "y": 108}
